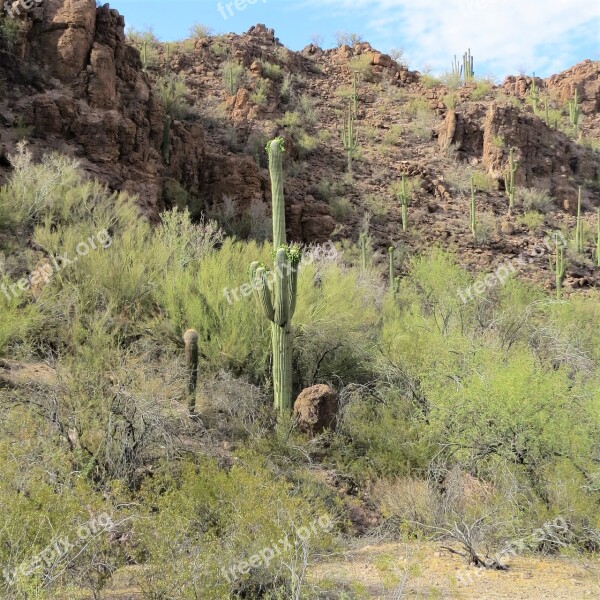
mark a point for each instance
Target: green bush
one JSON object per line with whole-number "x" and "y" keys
{"x": 271, "y": 71}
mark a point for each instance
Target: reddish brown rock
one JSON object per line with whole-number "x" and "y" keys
{"x": 315, "y": 409}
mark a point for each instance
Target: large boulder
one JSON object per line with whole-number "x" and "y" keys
{"x": 315, "y": 409}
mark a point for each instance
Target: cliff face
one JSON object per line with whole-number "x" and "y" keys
{"x": 74, "y": 83}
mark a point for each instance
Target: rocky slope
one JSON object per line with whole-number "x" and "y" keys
{"x": 74, "y": 83}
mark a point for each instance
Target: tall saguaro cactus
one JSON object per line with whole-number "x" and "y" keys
{"x": 598, "y": 241}
{"x": 510, "y": 181}
{"x": 468, "y": 66}
{"x": 279, "y": 305}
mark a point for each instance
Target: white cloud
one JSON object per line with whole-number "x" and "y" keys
{"x": 538, "y": 34}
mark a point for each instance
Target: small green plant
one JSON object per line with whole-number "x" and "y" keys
{"x": 219, "y": 48}
{"x": 510, "y": 184}
{"x": 361, "y": 66}
{"x": 271, "y": 71}
{"x": 349, "y": 139}
{"x": 450, "y": 101}
{"x": 483, "y": 89}
{"x": 579, "y": 234}
{"x": 260, "y": 94}
{"x": 232, "y": 76}
{"x": 429, "y": 81}
{"x": 498, "y": 142}
{"x": 534, "y": 199}
{"x": 341, "y": 208}
{"x": 533, "y": 220}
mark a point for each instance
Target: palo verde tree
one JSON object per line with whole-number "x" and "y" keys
{"x": 279, "y": 305}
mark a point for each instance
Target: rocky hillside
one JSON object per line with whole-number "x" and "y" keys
{"x": 72, "y": 81}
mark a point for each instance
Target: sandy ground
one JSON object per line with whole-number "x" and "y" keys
{"x": 414, "y": 570}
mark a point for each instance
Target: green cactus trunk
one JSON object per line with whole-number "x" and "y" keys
{"x": 473, "y": 212}
{"x": 355, "y": 93}
{"x": 598, "y": 241}
{"x": 579, "y": 226}
{"x": 190, "y": 340}
{"x": 364, "y": 251}
{"x": 145, "y": 56}
{"x": 575, "y": 113}
{"x": 403, "y": 196}
{"x": 349, "y": 139}
{"x": 280, "y": 305}
{"x": 510, "y": 180}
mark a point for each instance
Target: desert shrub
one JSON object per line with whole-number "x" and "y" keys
{"x": 260, "y": 94}
{"x": 233, "y": 74}
{"x": 377, "y": 206}
{"x": 533, "y": 220}
{"x": 271, "y": 71}
{"x": 327, "y": 189}
{"x": 290, "y": 120}
{"x": 341, "y": 208}
{"x": 349, "y": 39}
{"x": 361, "y": 65}
{"x": 393, "y": 135}
{"x": 139, "y": 37}
{"x": 306, "y": 106}
{"x": 450, "y": 101}
{"x": 415, "y": 106}
{"x": 429, "y": 81}
{"x": 535, "y": 200}
{"x": 486, "y": 229}
{"x": 307, "y": 144}
{"x": 452, "y": 81}
{"x": 173, "y": 92}
{"x": 199, "y": 31}
{"x": 219, "y": 48}
{"x": 210, "y": 520}
{"x": 483, "y": 89}
{"x": 10, "y": 31}
{"x": 482, "y": 181}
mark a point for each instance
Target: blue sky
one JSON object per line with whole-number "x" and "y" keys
{"x": 545, "y": 36}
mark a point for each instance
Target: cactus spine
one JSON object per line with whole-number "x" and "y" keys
{"x": 349, "y": 139}
{"x": 190, "y": 339}
{"x": 393, "y": 279}
{"x": 579, "y": 226}
{"x": 575, "y": 113}
{"x": 473, "y": 213}
{"x": 279, "y": 306}
{"x": 510, "y": 180}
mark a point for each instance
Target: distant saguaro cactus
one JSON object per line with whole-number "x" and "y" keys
{"x": 279, "y": 306}
{"x": 473, "y": 213}
{"x": 579, "y": 227}
{"x": 510, "y": 180}
{"x": 190, "y": 339}
{"x": 349, "y": 139}
{"x": 575, "y": 113}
